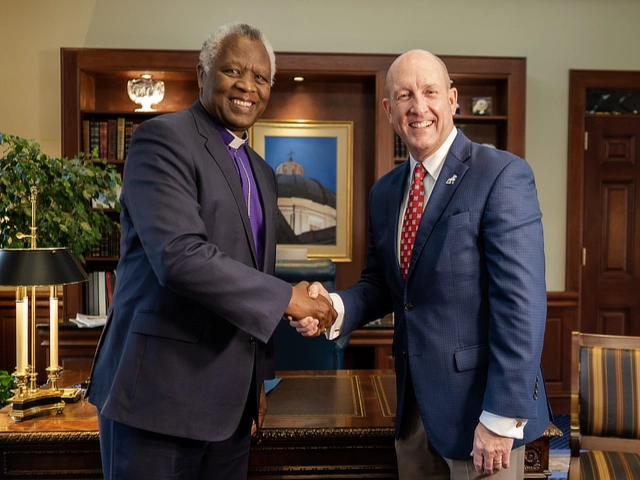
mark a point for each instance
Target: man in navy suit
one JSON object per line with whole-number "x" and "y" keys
{"x": 178, "y": 375}
{"x": 468, "y": 298}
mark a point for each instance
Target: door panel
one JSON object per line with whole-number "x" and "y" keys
{"x": 611, "y": 270}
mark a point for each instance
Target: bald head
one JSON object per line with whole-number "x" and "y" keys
{"x": 420, "y": 102}
{"x": 418, "y": 59}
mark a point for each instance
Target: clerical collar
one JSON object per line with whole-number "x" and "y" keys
{"x": 236, "y": 142}
{"x": 230, "y": 139}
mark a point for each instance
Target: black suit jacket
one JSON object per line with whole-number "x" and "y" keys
{"x": 191, "y": 314}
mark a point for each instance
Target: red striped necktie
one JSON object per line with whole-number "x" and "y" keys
{"x": 412, "y": 218}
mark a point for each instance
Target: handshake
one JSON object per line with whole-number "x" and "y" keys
{"x": 310, "y": 309}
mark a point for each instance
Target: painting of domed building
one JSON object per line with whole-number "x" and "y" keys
{"x": 307, "y": 205}
{"x": 312, "y": 161}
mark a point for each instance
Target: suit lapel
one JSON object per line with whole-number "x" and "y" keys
{"x": 450, "y": 178}
{"x": 398, "y": 184}
{"x": 220, "y": 155}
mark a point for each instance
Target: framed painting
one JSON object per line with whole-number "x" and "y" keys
{"x": 313, "y": 161}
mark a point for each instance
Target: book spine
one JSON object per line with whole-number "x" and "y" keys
{"x": 104, "y": 139}
{"x": 102, "y": 293}
{"x": 128, "y": 131}
{"x": 110, "y": 284}
{"x": 115, "y": 244}
{"x": 112, "y": 139}
{"x": 104, "y": 242}
{"x": 96, "y": 295}
{"x": 89, "y": 297}
{"x": 94, "y": 137}
{"x": 86, "y": 137}
{"x": 120, "y": 139}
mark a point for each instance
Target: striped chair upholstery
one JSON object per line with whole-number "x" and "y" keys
{"x": 605, "y": 410}
{"x": 610, "y": 392}
{"x": 597, "y": 464}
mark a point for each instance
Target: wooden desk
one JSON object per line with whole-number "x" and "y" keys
{"x": 333, "y": 424}
{"x": 320, "y": 425}
{"x": 65, "y": 446}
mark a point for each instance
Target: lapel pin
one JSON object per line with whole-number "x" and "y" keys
{"x": 451, "y": 180}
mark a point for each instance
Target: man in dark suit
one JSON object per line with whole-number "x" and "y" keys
{"x": 457, "y": 256}
{"x": 178, "y": 375}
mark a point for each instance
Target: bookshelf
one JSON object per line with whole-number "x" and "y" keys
{"x": 343, "y": 87}
{"x": 97, "y": 112}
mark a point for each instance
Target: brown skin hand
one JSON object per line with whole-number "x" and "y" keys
{"x": 301, "y": 306}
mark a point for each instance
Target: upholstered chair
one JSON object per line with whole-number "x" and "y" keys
{"x": 605, "y": 407}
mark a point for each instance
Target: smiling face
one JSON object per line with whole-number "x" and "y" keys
{"x": 420, "y": 103}
{"x": 236, "y": 89}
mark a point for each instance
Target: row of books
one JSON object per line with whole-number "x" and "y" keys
{"x": 108, "y": 246}
{"x": 111, "y": 137}
{"x": 400, "y": 150}
{"x": 98, "y": 292}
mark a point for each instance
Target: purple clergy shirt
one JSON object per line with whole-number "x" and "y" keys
{"x": 236, "y": 147}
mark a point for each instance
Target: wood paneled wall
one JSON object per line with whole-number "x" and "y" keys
{"x": 562, "y": 319}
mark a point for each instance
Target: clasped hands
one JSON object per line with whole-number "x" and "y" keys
{"x": 310, "y": 310}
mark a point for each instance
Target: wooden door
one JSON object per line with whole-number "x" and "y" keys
{"x": 611, "y": 234}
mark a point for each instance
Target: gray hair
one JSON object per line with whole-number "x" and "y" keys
{"x": 212, "y": 45}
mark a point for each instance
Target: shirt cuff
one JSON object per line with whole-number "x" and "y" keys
{"x": 336, "y": 328}
{"x": 504, "y": 426}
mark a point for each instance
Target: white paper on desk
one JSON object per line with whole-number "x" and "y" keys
{"x": 90, "y": 321}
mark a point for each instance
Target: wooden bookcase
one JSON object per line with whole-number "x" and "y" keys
{"x": 344, "y": 87}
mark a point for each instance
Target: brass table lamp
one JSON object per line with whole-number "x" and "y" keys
{"x": 36, "y": 267}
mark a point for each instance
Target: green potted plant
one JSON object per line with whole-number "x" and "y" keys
{"x": 72, "y": 195}
{"x": 7, "y": 385}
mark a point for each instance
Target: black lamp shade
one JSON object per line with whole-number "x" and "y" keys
{"x": 22, "y": 267}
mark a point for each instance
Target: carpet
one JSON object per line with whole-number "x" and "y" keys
{"x": 559, "y": 452}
